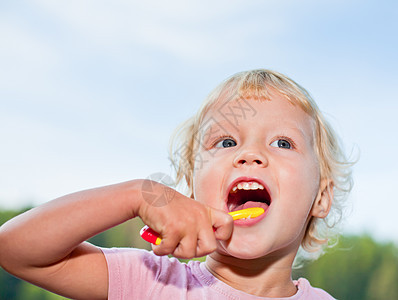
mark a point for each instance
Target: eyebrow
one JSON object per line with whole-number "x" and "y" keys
{"x": 299, "y": 130}
{"x": 302, "y": 134}
{"x": 213, "y": 128}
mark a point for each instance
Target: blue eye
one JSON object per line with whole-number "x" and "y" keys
{"x": 281, "y": 143}
{"x": 226, "y": 143}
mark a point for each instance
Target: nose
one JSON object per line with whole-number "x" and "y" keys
{"x": 249, "y": 157}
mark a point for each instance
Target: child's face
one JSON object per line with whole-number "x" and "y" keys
{"x": 259, "y": 142}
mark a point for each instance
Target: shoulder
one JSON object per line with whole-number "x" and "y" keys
{"x": 129, "y": 255}
{"x": 133, "y": 261}
{"x": 309, "y": 292}
{"x": 140, "y": 274}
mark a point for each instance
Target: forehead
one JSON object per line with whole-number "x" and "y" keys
{"x": 276, "y": 110}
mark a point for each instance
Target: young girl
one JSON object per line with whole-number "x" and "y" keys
{"x": 259, "y": 140}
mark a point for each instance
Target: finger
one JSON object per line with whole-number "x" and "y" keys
{"x": 167, "y": 245}
{"x": 222, "y": 223}
{"x": 206, "y": 243}
{"x": 186, "y": 248}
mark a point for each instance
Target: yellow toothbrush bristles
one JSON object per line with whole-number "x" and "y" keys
{"x": 251, "y": 212}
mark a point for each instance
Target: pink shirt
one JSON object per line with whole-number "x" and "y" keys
{"x": 140, "y": 274}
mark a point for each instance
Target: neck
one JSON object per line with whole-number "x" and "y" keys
{"x": 265, "y": 276}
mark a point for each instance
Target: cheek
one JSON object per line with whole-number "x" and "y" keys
{"x": 301, "y": 179}
{"x": 313, "y": 177}
{"x": 298, "y": 190}
{"x": 205, "y": 183}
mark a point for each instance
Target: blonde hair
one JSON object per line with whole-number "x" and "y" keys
{"x": 333, "y": 165}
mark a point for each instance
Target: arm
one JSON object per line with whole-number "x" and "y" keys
{"x": 46, "y": 246}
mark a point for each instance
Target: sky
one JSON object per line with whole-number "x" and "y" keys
{"x": 90, "y": 91}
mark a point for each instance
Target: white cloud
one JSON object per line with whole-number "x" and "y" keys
{"x": 27, "y": 60}
{"x": 195, "y": 30}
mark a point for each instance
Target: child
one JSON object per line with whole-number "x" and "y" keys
{"x": 259, "y": 140}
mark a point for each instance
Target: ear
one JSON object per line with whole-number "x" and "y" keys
{"x": 324, "y": 199}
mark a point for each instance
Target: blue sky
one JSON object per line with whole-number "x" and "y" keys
{"x": 90, "y": 91}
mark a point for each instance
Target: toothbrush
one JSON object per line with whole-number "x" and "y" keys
{"x": 152, "y": 236}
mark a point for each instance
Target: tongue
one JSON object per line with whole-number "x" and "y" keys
{"x": 250, "y": 204}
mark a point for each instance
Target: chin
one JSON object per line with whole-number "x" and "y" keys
{"x": 241, "y": 251}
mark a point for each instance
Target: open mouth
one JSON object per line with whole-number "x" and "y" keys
{"x": 246, "y": 194}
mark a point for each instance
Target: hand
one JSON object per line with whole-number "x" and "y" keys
{"x": 188, "y": 228}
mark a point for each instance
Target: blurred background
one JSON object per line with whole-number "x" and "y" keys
{"x": 90, "y": 92}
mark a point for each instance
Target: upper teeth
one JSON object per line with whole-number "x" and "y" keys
{"x": 250, "y": 185}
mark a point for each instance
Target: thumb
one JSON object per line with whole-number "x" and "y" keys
{"x": 222, "y": 224}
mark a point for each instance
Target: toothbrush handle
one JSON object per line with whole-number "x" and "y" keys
{"x": 150, "y": 235}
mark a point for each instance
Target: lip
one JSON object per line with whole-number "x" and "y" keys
{"x": 247, "y": 222}
{"x": 250, "y": 222}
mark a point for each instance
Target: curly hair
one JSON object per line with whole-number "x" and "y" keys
{"x": 333, "y": 164}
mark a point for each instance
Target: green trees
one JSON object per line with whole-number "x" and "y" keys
{"x": 357, "y": 268}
